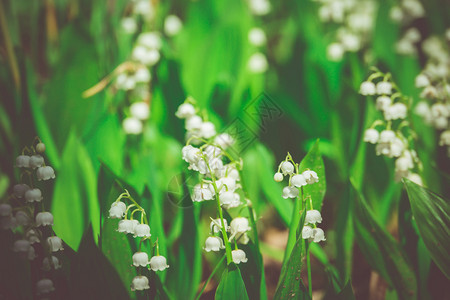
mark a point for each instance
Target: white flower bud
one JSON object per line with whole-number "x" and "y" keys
{"x": 290, "y": 192}
{"x": 287, "y": 167}
{"x": 22, "y": 218}
{"x": 140, "y": 259}
{"x": 216, "y": 225}
{"x": 40, "y": 147}
{"x": 117, "y": 210}
{"x": 278, "y": 177}
{"x": 207, "y": 130}
{"x": 21, "y": 246}
{"x": 132, "y": 125}
{"x": 44, "y": 286}
{"x": 298, "y": 180}
{"x": 371, "y": 136}
{"x": 36, "y": 161}
{"x": 5, "y": 210}
{"x": 313, "y": 217}
{"x": 142, "y": 230}
{"x": 383, "y": 102}
{"x": 33, "y": 195}
{"x": 44, "y": 219}
{"x": 139, "y": 283}
{"x": 239, "y": 256}
{"x": 307, "y": 232}
{"x": 213, "y": 243}
{"x": 158, "y": 263}
{"x": 384, "y": 88}
{"x": 172, "y": 25}
{"x": 127, "y": 226}
{"x": 20, "y": 189}
{"x": 367, "y": 88}
{"x": 257, "y": 63}
{"x": 185, "y": 110}
{"x": 239, "y": 225}
{"x": 319, "y": 235}
{"x": 51, "y": 264}
{"x": 257, "y": 37}
{"x": 45, "y": 173}
{"x": 335, "y": 52}
{"x": 55, "y": 243}
{"x": 23, "y": 161}
{"x": 310, "y": 176}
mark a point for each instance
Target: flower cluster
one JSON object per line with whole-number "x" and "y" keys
{"x": 434, "y": 82}
{"x": 355, "y": 20}
{"x": 297, "y": 180}
{"x": 393, "y": 136}
{"x": 24, "y": 213}
{"x": 139, "y": 229}
{"x": 219, "y": 181}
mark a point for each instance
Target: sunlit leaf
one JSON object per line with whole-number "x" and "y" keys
{"x": 231, "y": 285}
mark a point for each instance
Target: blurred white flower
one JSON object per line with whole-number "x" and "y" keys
{"x": 384, "y": 88}
{"x": 335, "y": 52}
{"x": 33, "y": 195}
{"x": 129, "y": 25}
{"x": 20, "y": 189}
{"x": 55, "y": 243}
{"x": 139, "y": 283}
{"x": 371, "y": 136}
{"x": 158, "y": 263}
{"x": 140, "y": 110}
{"x": 132, "y": 125}
{"x": 51, "y": 264}
{"x": 21, "y": 246}
{"x": 45, "y": 173}
{"x": 23, "y": 161}
{"x": 36, "y": 161}
{"x": 5, "y": 210}
{"x": 44, "y": 286}
{"x": 172, "y": 25}
{"x": 185, "y": 110}
{"x": 257, "y": 37}
{"x": 127, "y": 226}
{"x": 257, "y": 63}
{"x": 367, "y": 88}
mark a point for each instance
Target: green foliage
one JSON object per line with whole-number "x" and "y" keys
{"x": 431, "y": 214}
{"x": 231, "y": 285}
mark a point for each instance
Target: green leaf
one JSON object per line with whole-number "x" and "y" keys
{"x": 231, "y": 285}
{"x": 290, "y": 285}
{"x": 92, "y": 275}
{"x": 75, "y": 195}
{"x": 431, "y": 213}
{"x": 382, "y": 251}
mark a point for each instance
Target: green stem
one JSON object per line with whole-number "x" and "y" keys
{"x": 308, "y": 263}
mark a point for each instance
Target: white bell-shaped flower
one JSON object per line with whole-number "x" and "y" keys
{"x": 257, "y": 37}
{"x": 5, "y": 210}
{"x": 33, "y": 195}
{"x": 383, "y": 103}
{"x": 139, "y": 283}
{"x": 45, "y": 173}
{"x": 257, "y": 63}
{"x": 278, "y": 177}
{"x": 216, "y": 225}
{"x": 287, "y": 168}
{"x": 55, "y": 243}
{"x": 142, "y": 75}
{"x": 371, "y": 135}
{"x": 367, "y": 88}
{"x": 132, "y": 125}
{"x": 387, "y": 136}
{"x": 36, "y": 161}
{"x": 384, "y": 88}
{"x": 298, "y": 180}
{"x": 422, "y": 81}
{"x": 191, "y": 154}
{"x": 21, "y": 246}
{"x": 44, "y": 219}
{"x": 313, "y": 217}
{"x": 185, "y": 111}
{"x": 207, "y": 130}
{"x": 396, "y": 111}
{"x": 239, "y": 225}
{"x": 142, "y": 230}
{"x": 129, "y": 25}
{"x": 172, "y": 25}
{"x": 158, "y": 263}
{"x": 22, "y": 218}
{"x": 44, "y": 286}
{"x": 259, "y": 7}
{"x": 117, "y": 210}
{"x": 213, "y": 243}
{"x": 23, "y": 161}
{"x": 310, "y": 176}
{"x": 307, "y": 232}
{"x": 140, "y": 110}
{"x": 403, "y": 163}
{"x": 397, "y": 147}
{"x": 224, "y": 140}
{"x": 151, "y": 40}
{"x": 51, "y": 263}
{"x": 290, "y": 192}
{"x": 127, "y": 226}
{"x": 32, "y": 236}
{"x": 335, "y": 52}
{"x": 193, "y": 123}
{"x": 20, "y": 189}
{"x": 319, "y": 235}
{"x": 444, "y": 139}
{"x": 140, "y": 259}
{"x": 239, "y": 256}
{"x": 226, "y": 184}
{"x": 226, "y": 197}
{"x": 202, "y": 192}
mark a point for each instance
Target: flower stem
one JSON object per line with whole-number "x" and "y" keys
{"x": 308, "y": 263}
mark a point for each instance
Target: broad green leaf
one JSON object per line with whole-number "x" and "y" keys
{"x": 431, "y": 213}
{"x": 231, "y": 285}
{"x": 92, "y": 275}
{"x": 382, "y": 251}
{"x": 75, "y": 195}
{"x": 290, "y": 285}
